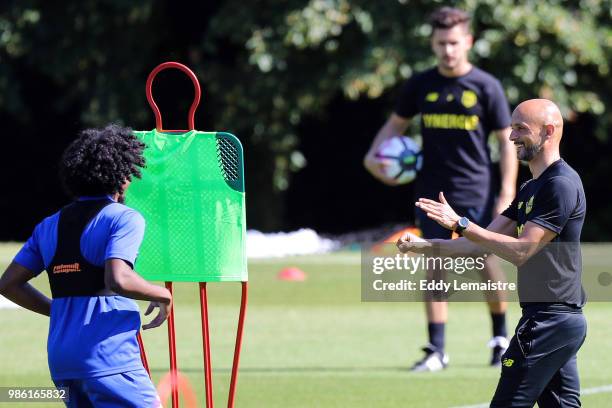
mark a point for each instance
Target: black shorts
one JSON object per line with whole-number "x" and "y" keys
{"x": 540, "y": 364}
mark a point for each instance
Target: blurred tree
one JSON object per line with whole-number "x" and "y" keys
{"x": 297, "y": 56}
{"x": 268, "y": 65}
{"x": 293, "y": 57}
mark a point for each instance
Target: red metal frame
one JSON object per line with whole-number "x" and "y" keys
{"x": 238, "y": 346}
{"x": 206, "y": 345}
{"x": 194, "y": 104}
{"x": 172, "y": 349}
{"x": 143, "y": 355}
{"x": 203, "y": 295}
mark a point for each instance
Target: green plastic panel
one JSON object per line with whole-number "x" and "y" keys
{"x": 192, "y": 197}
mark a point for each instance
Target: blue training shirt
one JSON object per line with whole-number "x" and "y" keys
{"x": 91, "y": 336}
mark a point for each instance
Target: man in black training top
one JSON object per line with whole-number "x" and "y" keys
{"x": 460, "y": 105}
{"x": 540, "y": 234}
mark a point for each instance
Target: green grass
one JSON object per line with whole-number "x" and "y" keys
{"x": 315, "y": 344}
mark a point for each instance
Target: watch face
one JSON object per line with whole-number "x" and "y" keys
{"x": 463, "y": 222}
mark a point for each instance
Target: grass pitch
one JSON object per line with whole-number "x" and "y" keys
{"x": 315, "y": 344}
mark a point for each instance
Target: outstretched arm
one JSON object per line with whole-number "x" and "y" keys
{"x": 516, "y": 250}
{"x": 15, "y": 287}
{"x": 455, "y": 247}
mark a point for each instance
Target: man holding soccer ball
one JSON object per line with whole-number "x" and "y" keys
{"x": 460, "y": 105}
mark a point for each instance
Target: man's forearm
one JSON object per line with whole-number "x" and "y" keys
{"x": 509, "y": 248}
{"x": 395, "y": 125}
{"x": 383, "y": 134}
{"x": 30, "y": 298}
{"x": 136, "y": 287}
{"x": 455, "y": 247}
{"x": 123, "y": 280}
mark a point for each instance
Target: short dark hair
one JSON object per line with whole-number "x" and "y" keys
{"x": 99, "y": 161}
{"x": 448, "y": 17}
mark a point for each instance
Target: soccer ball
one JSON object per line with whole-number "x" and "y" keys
{"x": 402, "y": 158}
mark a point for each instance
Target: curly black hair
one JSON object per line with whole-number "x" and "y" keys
{"x": 101, "y": 160}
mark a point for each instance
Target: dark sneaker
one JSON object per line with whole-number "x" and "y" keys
{"x": 499, "y": 345}
{"x": 434, "y": 360}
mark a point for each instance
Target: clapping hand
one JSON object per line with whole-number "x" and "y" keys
{"x": 440, "y": 212}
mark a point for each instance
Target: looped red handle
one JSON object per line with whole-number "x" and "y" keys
{"x": 194, "y": 104}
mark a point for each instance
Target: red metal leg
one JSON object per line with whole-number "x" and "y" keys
{"x": 172, "y": 349}
{"x": 238, "y": 346}
{"x": 206, "y": 345}
{"x": 143, "y": 354}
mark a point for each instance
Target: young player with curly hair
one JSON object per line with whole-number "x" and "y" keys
{"x": 88, "y": 249}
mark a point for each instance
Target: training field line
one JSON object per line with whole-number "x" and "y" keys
{"x": 587, "y": 391}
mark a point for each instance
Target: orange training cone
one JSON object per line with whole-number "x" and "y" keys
{"x": 292, "y": 273}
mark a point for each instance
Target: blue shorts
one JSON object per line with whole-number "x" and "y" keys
{"x": 126, "y": 390}
{"x": 482, "y": 216}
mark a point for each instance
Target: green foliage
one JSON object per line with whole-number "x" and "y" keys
{"x": 296, "y": 56}
{"x": 91, "y": 50}
{"x": 266, "y": 65}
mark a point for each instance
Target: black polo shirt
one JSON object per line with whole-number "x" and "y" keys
{"x": 457, "y": 116}
{"x": 555, "y": 201}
